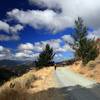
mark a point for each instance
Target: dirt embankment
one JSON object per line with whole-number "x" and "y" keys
{"x": 91, "y": 70}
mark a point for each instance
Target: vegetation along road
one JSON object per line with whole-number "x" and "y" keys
{"x": 75, "y": 86}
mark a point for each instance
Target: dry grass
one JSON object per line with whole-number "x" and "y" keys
{"x": 91, "y": 70}
{"x": 34, "y": 85}
{"x": 16, "y": 89}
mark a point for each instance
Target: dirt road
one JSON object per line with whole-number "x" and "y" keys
{"x": 75, "y": 86}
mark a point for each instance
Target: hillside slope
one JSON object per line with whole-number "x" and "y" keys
{"x": 34, "y": 85}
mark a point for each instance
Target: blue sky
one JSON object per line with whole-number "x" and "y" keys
{"x": 26, "y": 26}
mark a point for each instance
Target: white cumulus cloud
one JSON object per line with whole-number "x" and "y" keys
{"x": 16, "y": 28}
{"x": 94, "y": 34}
{"x": 72, "y": 9}
{"x": 5, "y": 53}
{"x": 10, "y": 30}
{"x": 68, "y": 39}
{"x": 4, "y": 37}
{"x": 40, "y": 19}
{"x": 27, "y": 46}
{"x": 4, "y": 26}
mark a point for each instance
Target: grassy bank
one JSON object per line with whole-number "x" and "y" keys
{"x": 34, "y": 85}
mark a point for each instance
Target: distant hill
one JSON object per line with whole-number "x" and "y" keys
{"x": 17, "y": 66}
{"x": 66, "y": 62}
{"x": 10, "y": 63}
{"x": 12, "y": 68}
{"x": 15, "y": 63}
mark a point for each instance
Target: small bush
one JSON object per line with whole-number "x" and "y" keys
{"x": 91, "y": 64}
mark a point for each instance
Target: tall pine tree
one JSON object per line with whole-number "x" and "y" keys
{"x": 86, "y": 49}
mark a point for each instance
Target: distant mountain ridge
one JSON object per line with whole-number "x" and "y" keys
{"x": 12, "y": 68}
{"x": 13, "y": 63}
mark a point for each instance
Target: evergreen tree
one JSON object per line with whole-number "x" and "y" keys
{"x": 86, "y": 49}
{"x": 46, "y": 57}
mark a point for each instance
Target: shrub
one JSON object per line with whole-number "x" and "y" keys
{"x": 91, "y": 64}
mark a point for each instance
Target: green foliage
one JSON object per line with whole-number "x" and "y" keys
{"x": 86, "y": 49}
{"x": 46, "y": 57}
